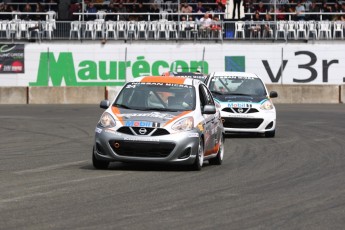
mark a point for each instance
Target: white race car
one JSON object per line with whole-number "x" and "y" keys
{"x": 245, "y": 104}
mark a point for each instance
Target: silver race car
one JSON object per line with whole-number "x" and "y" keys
{"x": 245, "y": 104}
{"x": 160, "y": 119}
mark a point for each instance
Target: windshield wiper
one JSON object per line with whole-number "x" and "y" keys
{"x": 122, "y": 106}
{"x": 239, "y": 94}
{"x": 216, "y": 92}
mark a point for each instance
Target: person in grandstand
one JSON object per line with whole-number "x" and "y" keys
{"x": 236, "y": 5}
{"x": 205, "y": 23}
{"x": 91, "y": 8}
{"x": 200, "y": 9}
{"x": 155, "y": 10}
{"x": 186, "y": 8}
{"x": 122, "y": 9}
{"x": 300, "y": 11}
{"x": 261, "y": 8}
{"x": 314, "y": 8}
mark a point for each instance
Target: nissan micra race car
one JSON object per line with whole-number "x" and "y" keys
{"x": 160, "y": 119}
{"x": 244, "y": 102}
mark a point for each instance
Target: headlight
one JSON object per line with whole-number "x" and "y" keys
{"x": 184, "y": 124}
{"x": 267, "y": 105}
{"x": 107, "y": 121}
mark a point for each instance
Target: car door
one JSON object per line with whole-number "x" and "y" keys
{"x": 210, "y": 120}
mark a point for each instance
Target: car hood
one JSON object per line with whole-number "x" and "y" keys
{"x": 140, "y": 118}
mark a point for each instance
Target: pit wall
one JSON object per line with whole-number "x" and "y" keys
{"x": 287, "y": 94}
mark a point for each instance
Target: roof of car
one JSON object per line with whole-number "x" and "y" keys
{"x": 187, "y": 73}
{"x": 165, "y": 79}
{"x": 195, "y": 75}
{"x": 231, "y": 74}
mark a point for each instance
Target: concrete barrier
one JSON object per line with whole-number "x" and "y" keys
{"x": 13, "y": 95}
{"x": 342, "y": 94}
{"x": 66, "y": 95}
{"x": 112, "y": 91}
{"x": 299, "y": 94}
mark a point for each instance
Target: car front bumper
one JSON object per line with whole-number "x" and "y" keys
{"x": 179, "y": 148}
{"x": 260, "y": 122}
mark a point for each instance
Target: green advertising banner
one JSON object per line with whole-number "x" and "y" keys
{"x": 11, "y": 58}
{"x": 114, "y": 64}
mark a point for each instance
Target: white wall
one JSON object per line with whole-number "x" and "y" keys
{"x": 305, "y": 63}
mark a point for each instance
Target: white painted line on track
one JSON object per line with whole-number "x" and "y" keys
{"x": 54, "y": 190}
{"x": 324, "y": 139}
{"x": 50, "y": 167}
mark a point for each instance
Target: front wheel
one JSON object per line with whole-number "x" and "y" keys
{"x": 220, "y": 154}
{"x": 199, "y": 160}
{"x": 98, "y": 164}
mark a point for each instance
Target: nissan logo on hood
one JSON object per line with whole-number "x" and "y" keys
{"x": 142, "y": 131}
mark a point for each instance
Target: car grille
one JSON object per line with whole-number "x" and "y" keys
{"x": 139, "y": 131}
{"x": 243, "y": 123}
{"x": 237, "y": 110}
{"x": 142, "y": 149}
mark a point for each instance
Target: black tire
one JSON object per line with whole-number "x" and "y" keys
{"x": 219, "y": 158}
{"x": 199, "y": 160}
{"x": 270, "y": 133}
{"x": 98, "y": 164}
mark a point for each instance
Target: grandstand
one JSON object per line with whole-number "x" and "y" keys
{"x": 166, "y": 20}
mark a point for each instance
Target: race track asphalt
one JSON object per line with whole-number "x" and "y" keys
{"x": 293, "y": 181}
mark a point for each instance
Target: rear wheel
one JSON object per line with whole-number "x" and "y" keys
{"x": 199, "y": 160}
{"x": 219, "y": 158}
{"x": 270, "y": 133}
{"x": 98, "y": 164}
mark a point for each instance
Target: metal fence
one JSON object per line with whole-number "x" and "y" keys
{"x": 167, "y": 29}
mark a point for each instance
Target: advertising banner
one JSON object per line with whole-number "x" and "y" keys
{"x": 113, "y": 64}
{"x": 11, "y": 58}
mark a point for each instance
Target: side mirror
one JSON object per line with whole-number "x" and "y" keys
{"x": 104, "y": 104}
{"x": 209, "y": 109}
{"x": 273, "y": 94}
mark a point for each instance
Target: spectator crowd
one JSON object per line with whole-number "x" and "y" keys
{"x": 254, "y": 9}
{"x": 197, "y": 8}
{"x": 294, "y": 10}
{"x": 27, "y": 6}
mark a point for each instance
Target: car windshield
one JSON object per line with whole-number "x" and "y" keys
{"x": 156, "y": 96}
{"x": 237, "y": 85}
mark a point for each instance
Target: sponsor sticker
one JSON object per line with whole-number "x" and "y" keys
{"x": 139, "y": 123}
{"x": 159, "y": 84}
{"x": 192, "y": 135}
{"x": 141, "y": 139}
{"x": 241, "y": 115}
{"x": 239, "y": 105}
{"x": 11, "y": 58}
{"x": 110, "y": 131}
{"x": 152, "y": 115}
